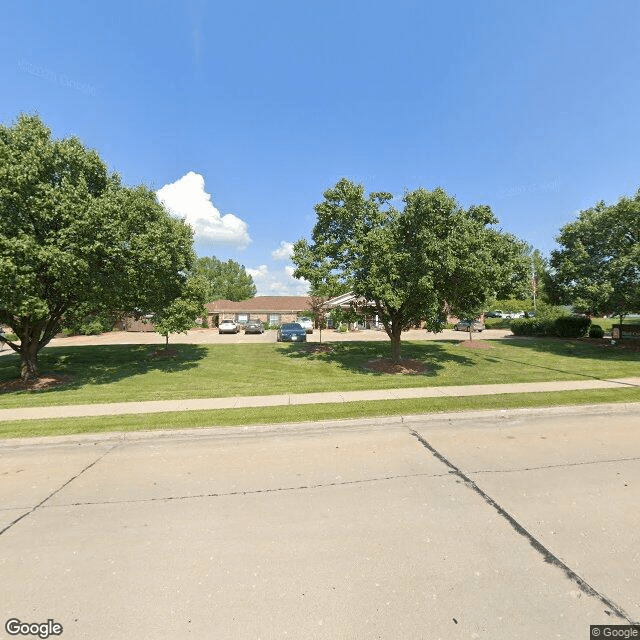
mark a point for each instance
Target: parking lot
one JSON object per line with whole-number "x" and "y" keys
{"x": 211, "y": 336}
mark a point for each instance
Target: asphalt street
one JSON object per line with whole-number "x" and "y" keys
{"x": 500, "y": 525}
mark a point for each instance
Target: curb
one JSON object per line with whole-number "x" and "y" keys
{"x": 501, "y": 415}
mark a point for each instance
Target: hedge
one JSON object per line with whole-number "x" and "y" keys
{"x": 563, "y": 327}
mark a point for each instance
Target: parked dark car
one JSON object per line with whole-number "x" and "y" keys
{"x": 254, "y": 326}
{"x": 291, "y": 332}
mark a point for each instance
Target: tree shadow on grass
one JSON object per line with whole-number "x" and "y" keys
{"x": 573, "y": 351}
{"x": 354, "y": 356}
{"x": 103, "y": 364}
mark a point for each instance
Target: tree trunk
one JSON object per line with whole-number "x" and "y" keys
{"x": 396, "y": 341}
{"x": 393, "y": 329}
{"x": 166, "y": 344}
{"x": 621, "y": 319}
{"x": 395, "y": 348}
{"x": 29, "y": 366}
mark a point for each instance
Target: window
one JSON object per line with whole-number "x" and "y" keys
{"x": 242, "y": 318}
{"x": 274, "y": 318}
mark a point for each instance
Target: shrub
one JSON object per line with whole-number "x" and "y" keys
{"x": 512, "y": 305}
{"x": 91, "y": 328}
{"x": 524, "y": 327}
{"x": 572, "y": 326}
{"x": 533, "y": 327}
{"x": 551, "y": 311}
{"x": 596, "y": 331}
{"x": 90, "y": 325}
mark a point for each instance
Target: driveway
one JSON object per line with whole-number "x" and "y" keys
{"x": 211, "y": 336}
{"x": 505, "y": 525}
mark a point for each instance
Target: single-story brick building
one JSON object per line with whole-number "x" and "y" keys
{"x": 273, "y": 310}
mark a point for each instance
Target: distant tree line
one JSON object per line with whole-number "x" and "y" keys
{"x": 224, "y": 280}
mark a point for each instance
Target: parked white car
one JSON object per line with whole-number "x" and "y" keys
{"x": 306, "y": 324}
{"x": 228, "y": 326}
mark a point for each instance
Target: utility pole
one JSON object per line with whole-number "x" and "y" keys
{"x": 534, "y": 284}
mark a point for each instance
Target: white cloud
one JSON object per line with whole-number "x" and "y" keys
{"x": 186, "y": 198}
{"x": 260, "y": 273}
{"x": 278, "y": 283}
{"x": 283, "y": 252}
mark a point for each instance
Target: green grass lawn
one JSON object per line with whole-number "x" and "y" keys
{"x": 607, "y": 323}
{"x": 309, "y": 413}
{"x": 120, "y": 373}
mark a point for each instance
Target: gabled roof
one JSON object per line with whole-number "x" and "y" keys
{"x": 343, "y": 299}
{"x": 262, "y": 304}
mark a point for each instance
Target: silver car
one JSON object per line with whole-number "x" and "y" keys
{"x": 254, "y": 326}
{"x": 469, "y": 325}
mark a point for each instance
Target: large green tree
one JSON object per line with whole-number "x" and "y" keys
{"x": 411, "y": 264}
{"x": 74, "y": 240}
{"x": 597, "y": 268}
{"x": 225, "y": 280}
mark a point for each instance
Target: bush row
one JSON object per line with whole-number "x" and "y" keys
{"x": 563, "y": 327}
{"x": 89, "y": 326}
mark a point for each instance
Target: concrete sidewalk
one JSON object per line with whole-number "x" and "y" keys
{"x": 237, "y": 402}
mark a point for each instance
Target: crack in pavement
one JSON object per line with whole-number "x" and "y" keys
{"x": 555, "y": 466}
{"x": 60, "y": 488}
{"x": 548, "y": 556}
{"x": 251, "y": 491}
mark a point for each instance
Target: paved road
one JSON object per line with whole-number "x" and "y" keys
{"x": 520, "y": 524}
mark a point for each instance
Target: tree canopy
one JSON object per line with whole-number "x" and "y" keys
{"x": 225, "y": 280}
{"x": 75, "y": 241}
{"x": 181, "y": 314}
{"x": 597, "y": 268}
{"x": 411, "y": 265}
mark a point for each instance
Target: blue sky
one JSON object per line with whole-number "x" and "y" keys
{"x": 242, "y": 113}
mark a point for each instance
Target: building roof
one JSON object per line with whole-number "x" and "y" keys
{"x": 344, "y": 299}
{"x": 262, "y": 304}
